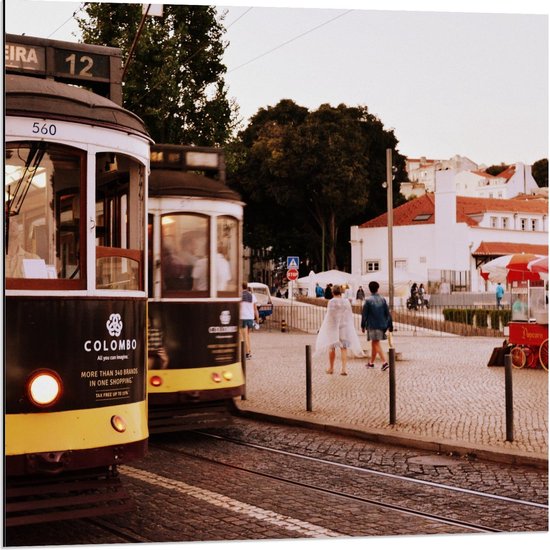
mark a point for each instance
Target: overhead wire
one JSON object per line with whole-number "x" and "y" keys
{"x": 196, "y": 52}
{"x": 279, "y": 46}
{"x": 69, "y": 19}
{"x": 288, "y": 41}
{"x": 240, "y": 17}
{"x": 206, "y": 45}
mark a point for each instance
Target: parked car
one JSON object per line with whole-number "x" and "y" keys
{"x": 263, "y": 296}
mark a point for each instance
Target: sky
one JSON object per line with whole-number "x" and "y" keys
{"x": 467, "y": 81}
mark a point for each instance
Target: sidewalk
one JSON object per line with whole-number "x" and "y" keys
{"x": 447, "y": 399}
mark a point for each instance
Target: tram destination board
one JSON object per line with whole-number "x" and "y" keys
{"x": 96, "y": 67}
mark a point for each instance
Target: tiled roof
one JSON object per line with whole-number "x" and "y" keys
{"x": 422, "y": 210}
{"x": 503, "y": 249}
{"x": 505, "y": 174}
{"x": 521, "y": 205}
{"x": 405, "y": 214}
{"x": 483, "y": 174}
{"x": 508, "y": 173}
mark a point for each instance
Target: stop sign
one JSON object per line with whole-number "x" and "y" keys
{"x": 292, "y": 274}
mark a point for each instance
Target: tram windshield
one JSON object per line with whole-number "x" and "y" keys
{"x": 42, "y": 205}
{"x": 45, "y": 213}
{"x": 186, "y": 260}
{"x": 185, "y": 244}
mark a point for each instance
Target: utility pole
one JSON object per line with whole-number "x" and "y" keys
{"x": 389, "y": 183}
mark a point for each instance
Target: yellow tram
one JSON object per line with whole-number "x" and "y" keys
{"x": 76, "y": 171}
{"x": 195, "y": 236}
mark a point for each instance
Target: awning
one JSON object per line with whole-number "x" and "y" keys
{"x": 487, "y": 251}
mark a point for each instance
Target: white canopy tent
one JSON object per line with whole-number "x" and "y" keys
{"x": 402, "y": 281}
{"x": 333, "y": 276}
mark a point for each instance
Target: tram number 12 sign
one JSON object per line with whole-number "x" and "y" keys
{"x": 292, "y": 274}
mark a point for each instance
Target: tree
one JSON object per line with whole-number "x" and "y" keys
{"x": 306, "y": 176}
{"x": 175, "y": 79}
{"x": 540, "y": 172}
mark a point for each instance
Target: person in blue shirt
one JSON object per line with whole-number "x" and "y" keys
{"x": 376, "y": 320}
{"x": 499, "y": 295}
{"x": 319, "y": 292}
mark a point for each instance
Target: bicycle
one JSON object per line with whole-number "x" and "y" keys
{"x": 543, "y": 355}
{"x": 530, "y": 356}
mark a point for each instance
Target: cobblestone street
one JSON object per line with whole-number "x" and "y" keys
{"x": 445, "y": 393}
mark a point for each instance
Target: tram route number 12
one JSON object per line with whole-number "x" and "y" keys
{"x": 44, "y": 129}
{"x": 85, "y": 60}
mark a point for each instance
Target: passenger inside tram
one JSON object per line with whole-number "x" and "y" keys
{"x": 223, "y": 268}
{"x": 17, "y": 258}
{"x": 176, "y": 274}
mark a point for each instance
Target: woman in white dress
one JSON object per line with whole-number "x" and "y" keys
{"x": 338, "y": 331}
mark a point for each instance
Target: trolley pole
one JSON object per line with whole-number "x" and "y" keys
{"x": 243, "y": 362}
{"x": 391, "y": 354}
{"x": 509, "y": 397}
{"x": 308, "y": 378}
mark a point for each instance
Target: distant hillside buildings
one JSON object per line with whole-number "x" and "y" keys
{"x": 460, "y": 218}
{"x": 471, "y": 179}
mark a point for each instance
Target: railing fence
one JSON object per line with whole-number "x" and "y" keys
{"x": 436, "y": 320}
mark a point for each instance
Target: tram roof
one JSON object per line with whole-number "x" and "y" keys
{"x": 29, "y": 96}
{"x": 176, "y": 183}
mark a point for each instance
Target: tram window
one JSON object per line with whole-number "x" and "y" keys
{"x": 119, "y": 222}
{"x": 43, "y": 187}
{"x": 227, "y": 260}
{"x": 185, "y": 262}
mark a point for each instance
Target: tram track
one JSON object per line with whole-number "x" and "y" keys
{"x": 382, "y": 503}
{"x": 377, "y": 472}
{"x": 125, "y": 534}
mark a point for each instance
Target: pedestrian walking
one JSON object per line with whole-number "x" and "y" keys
{"x": 499, "y": 294}
{"x": 360, "y": 296}
{"x": 376, "y": 320}
{"x": 249, "y": 315}
{"x": 338, "y": 331}
{"x": 328, "y": 291}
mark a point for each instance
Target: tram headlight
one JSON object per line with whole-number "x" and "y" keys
{"x": 227, "y": 375}
{"x": 44, "y": 388}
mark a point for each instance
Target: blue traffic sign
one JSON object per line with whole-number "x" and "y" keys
{"x": 292, "y": 262}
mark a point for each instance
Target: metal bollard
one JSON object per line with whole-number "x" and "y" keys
{"x": 308, "y": 378}
{"x": 391, "y": 354}
{"x": 243, "y": 363}
{"x": 509, "y": 398}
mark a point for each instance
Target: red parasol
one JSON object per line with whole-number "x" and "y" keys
{"x": 513, "y": 267}
{"x": 539, "y": 265}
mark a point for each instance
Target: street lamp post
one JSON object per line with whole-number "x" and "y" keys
{"x": 389, "y": 188}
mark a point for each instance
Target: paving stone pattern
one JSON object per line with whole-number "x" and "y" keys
{"x": 445, "y": 393}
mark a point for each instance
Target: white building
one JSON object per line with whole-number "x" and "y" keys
{"x": 470, "y": 180}
{"x": 515, "y": 180}
{"x": 444, "y": 238}
{"x": 424, "y": 170}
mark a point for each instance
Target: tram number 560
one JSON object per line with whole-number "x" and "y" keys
{"x": 44, "y": 129}
{"x": 85, "y": 64}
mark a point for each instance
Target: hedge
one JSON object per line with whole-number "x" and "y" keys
{"x": 480, "y": 316}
